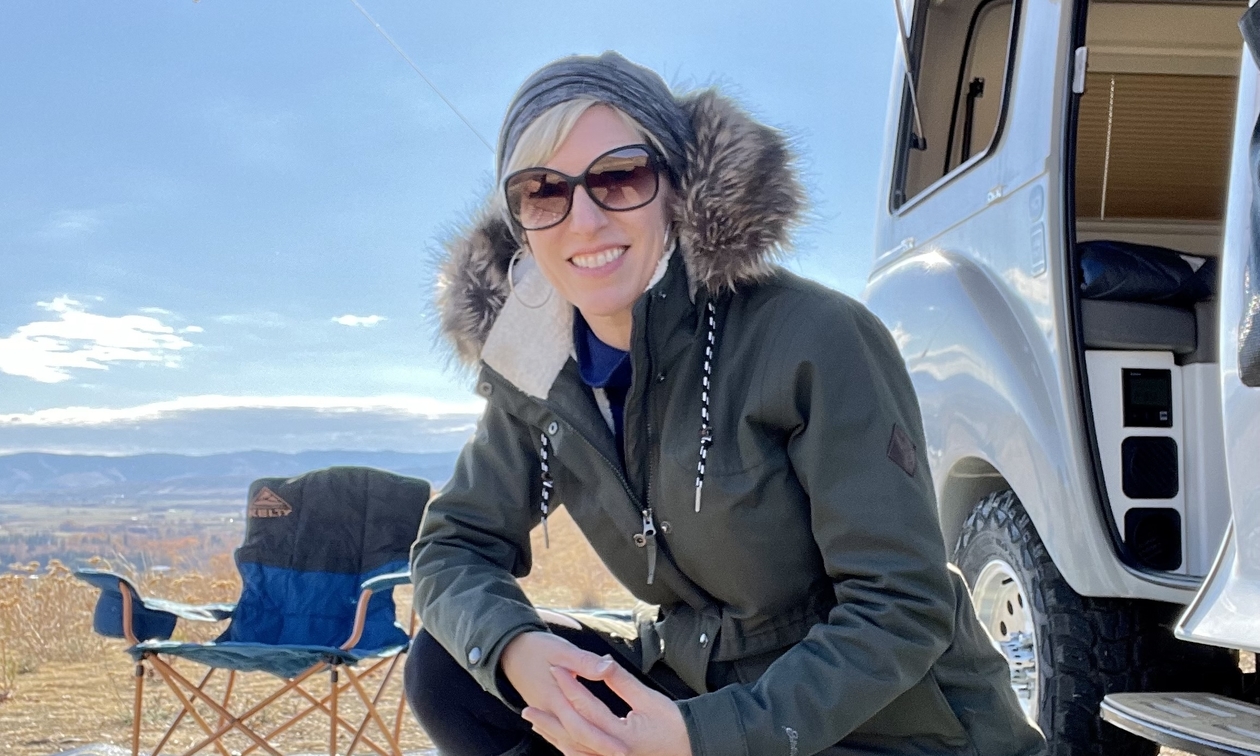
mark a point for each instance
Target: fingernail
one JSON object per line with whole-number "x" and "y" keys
{"x": 604, "y": 666}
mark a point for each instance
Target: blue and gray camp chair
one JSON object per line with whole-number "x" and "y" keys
{"x": 320, "y": 555}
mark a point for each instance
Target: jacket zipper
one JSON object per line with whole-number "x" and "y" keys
{"x": 647, "y": 537}
{"x": 649, "y": 524}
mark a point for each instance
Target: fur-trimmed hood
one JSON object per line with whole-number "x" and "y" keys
{"x": 738, "y": 202}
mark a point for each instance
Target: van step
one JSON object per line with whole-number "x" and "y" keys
{"x": 1201, "y": 723}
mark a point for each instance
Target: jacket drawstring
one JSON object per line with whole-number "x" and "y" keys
{"x": 706, "y": 430}
{"x": 543, "y": 456}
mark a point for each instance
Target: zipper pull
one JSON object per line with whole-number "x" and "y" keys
{"x": 648, "y": 539}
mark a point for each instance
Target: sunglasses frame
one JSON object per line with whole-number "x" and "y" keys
{"x": 655, "y": 162}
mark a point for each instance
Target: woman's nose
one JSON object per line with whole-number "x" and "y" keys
{"x": 585, "y": 215}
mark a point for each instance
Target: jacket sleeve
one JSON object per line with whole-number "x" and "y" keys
{"x": 855, "y": 442}
{"x": 474, "y": 543}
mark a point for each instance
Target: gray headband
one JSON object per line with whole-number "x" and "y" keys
{"x": 608, "y": 78}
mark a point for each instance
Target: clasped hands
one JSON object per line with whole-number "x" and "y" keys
{"x": 544, "y": 668}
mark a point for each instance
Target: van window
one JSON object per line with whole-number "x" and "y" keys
{"x": 961, "y": 53}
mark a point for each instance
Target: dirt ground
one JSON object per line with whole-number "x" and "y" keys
{"x": 67, "y": 688}
{"x": 61, "y": 687}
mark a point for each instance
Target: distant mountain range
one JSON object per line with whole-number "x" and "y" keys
{"x": 41, "y": 477}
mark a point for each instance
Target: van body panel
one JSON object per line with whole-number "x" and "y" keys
{"x": 985, "y": 373}
{"x": 976, "y": 262}
{"x": 1225, "y": 613}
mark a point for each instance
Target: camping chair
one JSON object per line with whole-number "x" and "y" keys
{"x": 320, "y": 555}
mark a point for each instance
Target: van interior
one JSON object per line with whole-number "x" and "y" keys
{"x": 1152, "y": 142}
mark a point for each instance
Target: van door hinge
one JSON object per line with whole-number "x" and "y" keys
{"x": 1078, "y": 70}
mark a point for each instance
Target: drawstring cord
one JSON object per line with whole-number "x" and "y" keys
{"x": 706, "y": 430}
{"x": 543, "y": 456}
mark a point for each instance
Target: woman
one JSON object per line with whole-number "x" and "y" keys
{"x": 742, "y": 447}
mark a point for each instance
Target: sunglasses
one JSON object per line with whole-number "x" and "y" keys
{"x": 624, "y": 178}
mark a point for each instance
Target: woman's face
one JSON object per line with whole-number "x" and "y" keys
{"x": 600, "y": 260}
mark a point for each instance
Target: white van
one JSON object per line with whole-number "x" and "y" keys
{"x": 1064, "y": 229}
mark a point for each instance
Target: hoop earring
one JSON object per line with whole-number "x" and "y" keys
{"x": 512, "y": 283}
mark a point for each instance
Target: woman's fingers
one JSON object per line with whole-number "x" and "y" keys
{"x": 585, "y": 702}
{"x": 579, "y": 660}
{"x": 580, "y": 728}
{"x": 550, "y": 728}
{"x": 627, "y": 686}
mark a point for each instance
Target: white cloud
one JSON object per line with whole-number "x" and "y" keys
{"x": 89, "y": 416}
{"x": 213, "y": 424}
{"x": 67, "y": 223}
{"x": 47, "y": 350}
{"x": 192, "y": 329}
{"x": 260, "y": 319}
{"x": 366, "y": 321}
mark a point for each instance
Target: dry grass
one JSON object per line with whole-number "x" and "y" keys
{"x": 63, "y": 686}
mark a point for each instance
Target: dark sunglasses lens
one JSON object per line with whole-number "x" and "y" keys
{"x": 623, "y": 180}
{"x": 537, "y": 198}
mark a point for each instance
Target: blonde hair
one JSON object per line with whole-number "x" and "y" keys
{"x": 540, "y": 140}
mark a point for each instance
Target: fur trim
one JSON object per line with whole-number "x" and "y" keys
{"x": 739, "y": 201}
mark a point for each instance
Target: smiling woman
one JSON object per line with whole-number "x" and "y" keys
{"x": 741, "y": 447}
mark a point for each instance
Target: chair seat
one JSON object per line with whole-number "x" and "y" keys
{"x": 286, "y": 661}
{"x": 1137, "y": 326}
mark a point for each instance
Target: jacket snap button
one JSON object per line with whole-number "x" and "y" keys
{"x": 704, "y": 639}
{"x": 666, "y": 527}
{"x": 484, "y": 388}
{"x": 662, "y": 295}
{"x": 660, "y": 377}
{"x": 474, "y": 655}
{"x": 552, "y": 428}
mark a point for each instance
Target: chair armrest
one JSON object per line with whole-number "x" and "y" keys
{"x": 121, "y": 612}
{"x": 366, "y": 589}
{"x": 194, "y": 612}
{"x": 388, "y": 580}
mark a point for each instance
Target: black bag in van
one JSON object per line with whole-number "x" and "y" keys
{"x": 1128, "y": 272}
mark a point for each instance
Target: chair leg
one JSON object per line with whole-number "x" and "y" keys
{"x": 173, "y": 681}
{"x": 135, "y": 712}
{"x": 170, "y": 729}
{"x": 227, "y": 693}
{"x": 321, "y": 704}
{"x": 370, "y": 704}
{"x": 332, "y": 738}
{"x": 317, "y": 704}
{"x": 380, "y": 690}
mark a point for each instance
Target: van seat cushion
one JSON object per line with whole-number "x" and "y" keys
{"x": 1137, "y": 326}
{"x": 1124, "y": 271}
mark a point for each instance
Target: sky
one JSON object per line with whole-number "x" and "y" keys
{"x": 218, "y": 219}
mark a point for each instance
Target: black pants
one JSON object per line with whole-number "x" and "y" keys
{"x": 462, "y": 719}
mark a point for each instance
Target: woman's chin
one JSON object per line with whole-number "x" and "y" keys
{"x": 607, "y": 305}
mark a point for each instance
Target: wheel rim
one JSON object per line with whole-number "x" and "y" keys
{"x": 1003, "y": 608}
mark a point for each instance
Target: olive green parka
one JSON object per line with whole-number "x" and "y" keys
{"x": 801, "y": 588}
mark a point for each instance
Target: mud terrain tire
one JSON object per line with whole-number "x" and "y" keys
{"x": 1085, "y": 647}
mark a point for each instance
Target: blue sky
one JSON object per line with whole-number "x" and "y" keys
{"x": 230, "y": 206}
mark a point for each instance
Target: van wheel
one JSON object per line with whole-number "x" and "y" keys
{"x": 1067, "y": 651}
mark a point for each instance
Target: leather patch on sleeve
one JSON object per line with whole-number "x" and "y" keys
{"x": 902, "y": 451}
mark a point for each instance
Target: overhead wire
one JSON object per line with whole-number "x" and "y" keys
{"x": 416, "y": 68}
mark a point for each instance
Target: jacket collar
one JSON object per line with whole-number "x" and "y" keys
{"x": 738, "y": 202}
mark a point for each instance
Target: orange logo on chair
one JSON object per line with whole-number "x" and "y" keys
{"x": 268, "y": 504}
